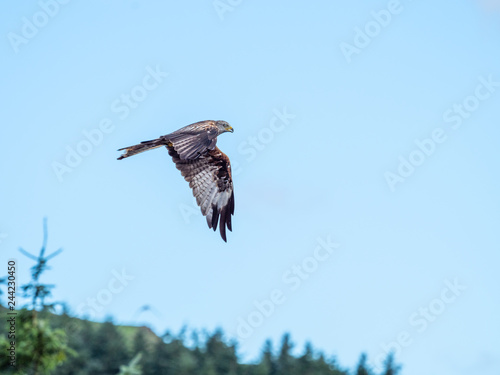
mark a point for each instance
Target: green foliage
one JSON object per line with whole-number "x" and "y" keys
{"x": 390, "y": 368}
{"x": 47, "y": 343}
{"x": 39, "y": 348}
{"x": 74, "y": 346}
{"x": 111, "y": 351}
{"x": 267, "y": 365}
{"x": 133, "y": 368}
{"x": 363, "y": 368}
{"x": 285, "y": 358}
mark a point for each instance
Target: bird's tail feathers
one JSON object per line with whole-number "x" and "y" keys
{"x": 141, "y": 147}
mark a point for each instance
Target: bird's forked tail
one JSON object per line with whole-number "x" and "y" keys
{"x": 141, "y": 147}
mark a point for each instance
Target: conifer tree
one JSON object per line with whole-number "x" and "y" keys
{"x": 42, "y": 348}
{"x": 390, "y": 368}
{"x": 223, "y": 355}
{"x": 267, "y": 365}
{"x": 109, "y": 348}
{"x": 362, "y": 368}
{"x": 285, "y": 358}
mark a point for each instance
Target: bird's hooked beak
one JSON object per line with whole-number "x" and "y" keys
{"x": 231, "y": 129}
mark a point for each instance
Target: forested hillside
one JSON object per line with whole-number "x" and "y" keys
{"x": 68, "y": 345}
{"x": 35, "y": 340}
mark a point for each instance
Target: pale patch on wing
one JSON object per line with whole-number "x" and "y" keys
{"x": 209, "y": 175}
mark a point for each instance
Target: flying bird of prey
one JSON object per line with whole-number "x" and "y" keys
{"x": 207, "y": 169}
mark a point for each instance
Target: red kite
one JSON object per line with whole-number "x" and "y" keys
{"x": 203, "y": 165}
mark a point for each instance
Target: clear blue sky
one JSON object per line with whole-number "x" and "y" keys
{"x": 370, "y": 125}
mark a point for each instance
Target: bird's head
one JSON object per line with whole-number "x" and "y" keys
{"x": 223, "y": 127}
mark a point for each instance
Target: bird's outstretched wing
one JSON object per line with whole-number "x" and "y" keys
{"x": 209, "y": 176}
{"x": 193, "y": 140}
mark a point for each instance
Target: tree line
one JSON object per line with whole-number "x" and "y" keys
{"x": 61, "y": 344}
